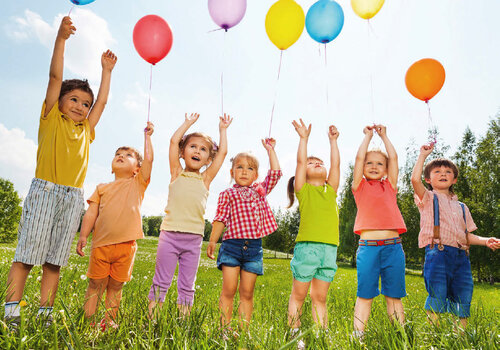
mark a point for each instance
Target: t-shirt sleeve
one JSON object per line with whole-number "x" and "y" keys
{"x": 271, "y": 180}
{"x": 300, "y": 193}
{"x": 91, "y": 133}
{"x": 223, "y": 208}
{"x": 143, "y": 184}
{"x": 360, "y": 186}
{"x": 50, "y": 113}
{"x": 428, "y": 196}
{"x": 95, "y": 197}
{"x": 470, "y": 225}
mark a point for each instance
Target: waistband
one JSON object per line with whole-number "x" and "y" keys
{"x": 380, "y": 242}
{"x": 48, "y": 186}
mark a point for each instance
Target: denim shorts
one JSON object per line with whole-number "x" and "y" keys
{"x": 246, "y": 253}
{"x": 386, "y": 262}
{"x": 448, "y": 280}
{"x": 314, "y": 260}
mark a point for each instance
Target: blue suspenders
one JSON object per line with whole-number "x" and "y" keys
{"x": 436, "y": 232}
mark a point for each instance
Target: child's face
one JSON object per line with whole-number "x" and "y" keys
{"x": 125, "y": 163}
{"x": 76, "y": 105}
{"x": 441, "y": 178}
{"x": 196, "y": 153}
{"x": 315, "y": 169}
{"x": 243, "y": 173}
{"x": 375, "y": 167}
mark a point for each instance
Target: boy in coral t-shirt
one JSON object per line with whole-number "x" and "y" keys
{"x": 114, "y": 209}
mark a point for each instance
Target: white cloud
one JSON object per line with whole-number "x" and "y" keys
{"x": 17, "y": 159}
{"x": 138, "y": 101}
{"x": 83, "y": 49}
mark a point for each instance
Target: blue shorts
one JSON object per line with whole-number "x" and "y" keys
{"x": 314, "y": 260}
{"x": 386, "y": 262}
{"x": 246, "y": 253}
{"x": 448, "y": 280}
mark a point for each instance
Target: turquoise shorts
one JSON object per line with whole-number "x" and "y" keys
{"x": 314, "y": 260}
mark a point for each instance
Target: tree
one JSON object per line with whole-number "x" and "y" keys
{"x": 151, "y": 225}
{"x": 283, "y": 239}
{"x": 10, "y": 211}
{"x": 347, "y": 214}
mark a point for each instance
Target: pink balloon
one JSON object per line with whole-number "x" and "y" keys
{"x": 152, "y": 38}
{"x": 227, "y": 13}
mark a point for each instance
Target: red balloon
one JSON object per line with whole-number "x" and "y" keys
{"x": 152, "y": 38}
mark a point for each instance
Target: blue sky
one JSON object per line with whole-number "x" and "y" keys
{"x": 462, "y": 35}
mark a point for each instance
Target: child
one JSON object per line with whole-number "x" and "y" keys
{"x": 379, "y": 224}
{"x": 315, "y": 253}
{"x": 183, "y": 227}
{"x": 114, "y": 209}
{"x": 244, "y": 211}
{"x": 52, "y": 210}
{"x": 445, "y": 226}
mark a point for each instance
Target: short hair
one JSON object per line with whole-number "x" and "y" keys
{"x": 212, "y": 146}
{"x": 251, "y": 159}
{"x": 314, "y": 158}
{"x": 137, "y": 154}
{"x": 439, "y": 162}
{"x": 378, "y": 150}
{"x": 76, "y": 84}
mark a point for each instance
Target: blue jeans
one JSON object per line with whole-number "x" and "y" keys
{"x": 246, "y": 253}
{"x": 448, "y": 280}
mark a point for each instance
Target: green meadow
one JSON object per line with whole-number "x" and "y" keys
{"x": 268, "y": 329}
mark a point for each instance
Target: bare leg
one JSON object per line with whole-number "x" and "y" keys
{"x": 297, "y": 297}
{"x": 319, "y": 292}
{"x": 16, "y": 281}
{"x": 113, "y": 298}
{"x": 184, "y": 310}
{"x": 247, "y": 286}
{"x": 49, "y": 284}
{"x": 93, "y": 295}
{"x": 395, "y": 309}
{"x": 362, "y": 311}
{"x": 229, "y": 286}
{"x": 433, "y": 318}
{"x": 463, "y": 322}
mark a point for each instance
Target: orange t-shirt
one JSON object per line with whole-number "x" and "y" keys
{"x": 119, "y": 219}
{"x": 377, "y": 207}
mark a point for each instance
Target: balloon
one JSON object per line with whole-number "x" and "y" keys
{"x": 152, "y": 38}
{"x": 81, "y": 2}
{"x": 227, "y": 13}
{"x": 366, "y": 9}
{"x": 284, "y": 23}
{"x": 425, "y": 78}
{"x": 324, "y": 21}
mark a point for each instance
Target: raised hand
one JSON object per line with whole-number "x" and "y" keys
{"x": 333, "y": 133}
{"x": 301, "y": 128}
{"x": 108, "y": 60}
{"x": 380, "y": 129}
{"x": 225, "y": 121}
{"x": 192, "y": 118}
{"x": 150, "y": 128}
{"x": 368, "y": 130}
{"x": 425, "y": 150}
{"x": 66, "y": 28}
{"x": 269, "y": 143}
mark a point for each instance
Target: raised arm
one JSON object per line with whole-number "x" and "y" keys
{"x": 392, "y": 165}
{"x": 218, "y": 160}
{"x": 334, "y": 173}
{"x": 359, "y": 163}
{"x": 88, "y": 223}
{"x": 416, "y": 175}
{"x": 300, "y": 170}
{"x": 147, "y": 163}
{"x": 269, "y": 145}
{"x": 217, "y": 228}
{"x": 108, "y": 61}
{"x": 57, "y": 64}
{"x": 173, "y": 151}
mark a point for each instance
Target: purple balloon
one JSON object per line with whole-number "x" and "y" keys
{"x": 227, "y": 13}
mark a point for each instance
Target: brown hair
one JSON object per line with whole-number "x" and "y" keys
{"x": 76, "y": 84}
{"x": 137, "y": 154}
{"x": 212, "y": 148}
{"x": 290, "y": 188}
{"x": 252, "y": 160}
{"x": 378, "y": 150}
{"x": 436, "y": 163}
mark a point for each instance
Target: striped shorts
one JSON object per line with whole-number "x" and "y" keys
{"x": 51, "y": 216}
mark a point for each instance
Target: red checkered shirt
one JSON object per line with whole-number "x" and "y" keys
{"x": 246, "y": 213}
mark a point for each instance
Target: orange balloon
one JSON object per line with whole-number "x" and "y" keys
{"x": 425, "y": 78}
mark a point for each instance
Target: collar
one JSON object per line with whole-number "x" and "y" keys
{"x": 450, "y": 196}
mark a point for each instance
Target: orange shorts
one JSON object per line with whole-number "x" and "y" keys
{"x": 115, "y": 260}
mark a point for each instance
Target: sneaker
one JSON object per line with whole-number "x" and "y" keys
{"x": 358, "y": 336}
{"x": 13, "y": 322}
{"x": 301, "y": 344}
{"x": 47, "y": 320}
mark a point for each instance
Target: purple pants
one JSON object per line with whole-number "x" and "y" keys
{"x": 174, "y": 247}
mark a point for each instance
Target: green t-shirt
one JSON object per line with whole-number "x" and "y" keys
{"x": 319, "y": 214}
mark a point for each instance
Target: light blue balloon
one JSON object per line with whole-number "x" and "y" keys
{"x": 81, "y": 2}
{"x": 324, "y": 21}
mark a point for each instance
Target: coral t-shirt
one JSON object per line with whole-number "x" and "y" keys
{"x": 377, "y": 207}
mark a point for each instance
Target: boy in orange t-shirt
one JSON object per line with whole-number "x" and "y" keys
{"x": 114, "y": 209}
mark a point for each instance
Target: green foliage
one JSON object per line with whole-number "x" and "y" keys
{"x": 283, "y": 239}
{"x": 151, "y": 225}
{"x": 347, "y": 215}
{"x": 10, "y": 211}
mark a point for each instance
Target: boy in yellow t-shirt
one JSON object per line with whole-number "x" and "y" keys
{"x": 54, "y": 205}
{"x": 114, "y": 213}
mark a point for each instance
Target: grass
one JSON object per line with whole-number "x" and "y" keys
{"x": 268, "y": 329}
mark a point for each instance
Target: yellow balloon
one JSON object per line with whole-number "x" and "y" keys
{"x": 285, "y": 22}
{"x": 366, "y": 8}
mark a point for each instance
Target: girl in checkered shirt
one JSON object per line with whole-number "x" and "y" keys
{"x": 244, "y": 211}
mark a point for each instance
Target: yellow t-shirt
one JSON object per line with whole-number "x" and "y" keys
{"x": 319, "y": 214}
{"x": 119, "y": 218}
{"x": 63, "y": 148}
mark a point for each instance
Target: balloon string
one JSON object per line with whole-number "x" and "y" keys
{"x": 326, "y": 82}
{"x": 149, "y": 96}
{"x": 71, "y": 9}
{"x": 214, "y": 30}
{"x": 432, "y": 128}
{"x": 275, "y": 94}
{"x": 222, "y": 74}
